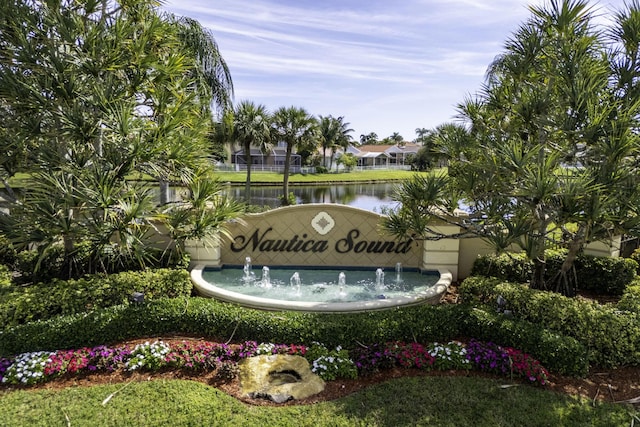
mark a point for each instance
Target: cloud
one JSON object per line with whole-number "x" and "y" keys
{"x": 378, "y": 63}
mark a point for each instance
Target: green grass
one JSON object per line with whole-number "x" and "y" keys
{"x": 276, "y": 177}
{"x": 426, "y": 401}
{"x": 21, "y": 180}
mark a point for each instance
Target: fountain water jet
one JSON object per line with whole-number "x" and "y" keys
{"x": 249, "y": 275}
{"x": 295, "y": 282}
{"x": 266, "y": 278}
{"x": 342, "y": 282}
{"x": 379, "y": 280}
{"x": 398, "y": 272}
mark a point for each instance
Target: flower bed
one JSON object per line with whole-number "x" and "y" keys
{"x": 329, "y": 364}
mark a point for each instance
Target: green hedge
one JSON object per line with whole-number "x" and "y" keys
{"x": 605, "y": 275}
{"x": 599, "y": 274}
{"x": 44, "y": 300}
{"x": 223, "y": 322}
{"x": 630, "y": 300}
{"x": 557, "y": 352}
{"x": 611, "y": 335}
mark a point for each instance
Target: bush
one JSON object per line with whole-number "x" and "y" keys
{"x": 559, "y": 353}
{"x": 223, "y": 322}
{"x": 602, "y": 275}
{"x": 321, "y": 169}
{"x": 59, "y": 297}
{"x": 34, "y": 269}
{"x": 512, "y": 267}
{"x": 630, "y": 300}
{"x": 7, "y": 252}
{"x": 611, "y": 336}
{"x": 605, "y": 275}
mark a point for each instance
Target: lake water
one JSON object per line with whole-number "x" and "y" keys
{"x": 372, "y": 197}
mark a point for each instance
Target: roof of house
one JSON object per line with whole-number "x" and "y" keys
{"x": 374, "y": 150}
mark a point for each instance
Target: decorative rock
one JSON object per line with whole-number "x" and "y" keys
{"x": 278, "y": 377}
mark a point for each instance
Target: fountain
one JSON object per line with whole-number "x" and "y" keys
{"x": 322, "y": 289}
{"x": 342, "y": 282}
{"x": 249, "y": 275}
{"x": 398, "y": 273}
{"x": 295, "y": 282}
{"x": 266, "y": 278}
{"x": 379, "y": 280}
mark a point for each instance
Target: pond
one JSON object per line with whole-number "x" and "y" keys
{"x": 373, "y": 197}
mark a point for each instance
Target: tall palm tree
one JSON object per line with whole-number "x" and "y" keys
{"x": 294, "y": 126}
{"x": 396, "y": 138}
{"x": 214, "y": 86}
{"x": 344, "y": 137}
{"x": 251, "y": 127}
{"x": 370, "y": 138}
{"x": 211, "y": 70}
{"x": 334, "y": 133}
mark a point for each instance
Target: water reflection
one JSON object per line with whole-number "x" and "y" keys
{"x": 373, "y": 197}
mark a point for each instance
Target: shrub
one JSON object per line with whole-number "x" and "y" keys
{"x": 221, "y": 322}
{"x": 611, "y": 336}
{"x": 58, "y": 297}
{"x": 605, "y": 275}
{"x": 512, "y": 267}
{"x": 559, "y": 353}
{"x": 5, "y": 279}
{"x": 599, "y": 274}
{"x": 630, "y": 300}
{"x": 7, "y": 252}
{"x": 33, "y": 268}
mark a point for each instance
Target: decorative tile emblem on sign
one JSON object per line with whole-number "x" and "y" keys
{"x": 323, "y": 223}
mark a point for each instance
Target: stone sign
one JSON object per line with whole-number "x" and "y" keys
{"x": 322, "y": 235}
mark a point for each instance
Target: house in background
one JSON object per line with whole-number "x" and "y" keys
{"x": 383, "y": 156}
{"x": 272, "y": 160}
{"x": 369, "y": 157}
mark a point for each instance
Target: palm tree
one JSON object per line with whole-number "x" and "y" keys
{"x": 251, "y": 127}
{"x": 294, "y": 126}
{"x": 396, "y": 138}
{"x": 370, "y": 138}
{"x": 210, "y": 71}
{"x": 214, "y": 85}
{"x": 333, "y": 133}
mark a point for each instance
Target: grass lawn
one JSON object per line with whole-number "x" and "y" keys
{"x": 426, "y": 401}
{"x": 276, "y": 178}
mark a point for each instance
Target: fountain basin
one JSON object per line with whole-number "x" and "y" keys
{"x": 423, "y": 295}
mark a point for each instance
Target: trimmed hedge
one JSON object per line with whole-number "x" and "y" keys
{"x": 630, "y": 300}
{"x": 223, "y": 322}
{"x": 612, "y": 336}
{"x": 59, "y": 297}
{"x": 598, "y": 274}
{"x": 559, "y": 353}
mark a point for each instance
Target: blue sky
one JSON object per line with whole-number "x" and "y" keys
{"x": 385, "y": 66}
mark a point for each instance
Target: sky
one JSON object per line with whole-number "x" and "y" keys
{"x": 385, "y": 66}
